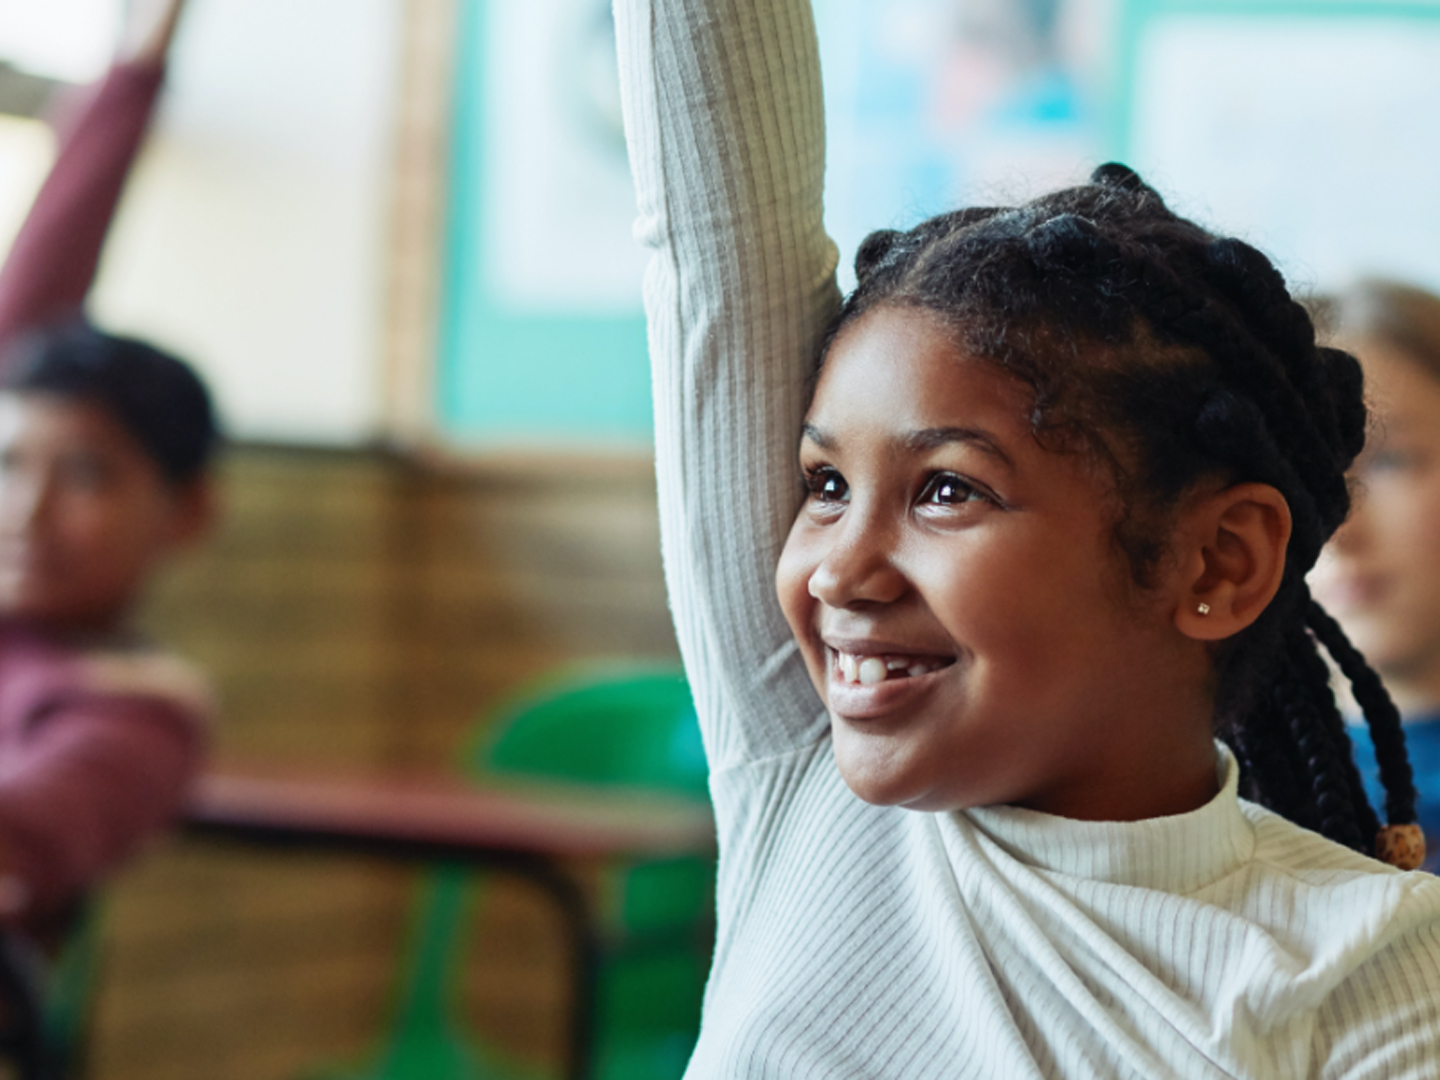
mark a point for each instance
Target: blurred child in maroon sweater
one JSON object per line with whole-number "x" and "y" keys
{"x": 105, "y": 445}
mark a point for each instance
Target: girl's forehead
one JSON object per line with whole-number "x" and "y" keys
{"x": 902, "y": 369}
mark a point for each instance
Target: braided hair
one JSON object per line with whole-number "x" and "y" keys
{"x": 1176, "y": 357}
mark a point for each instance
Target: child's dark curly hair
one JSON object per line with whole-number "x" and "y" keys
{"x": 1175, "y": 357}
{"x": 156, "y": 397}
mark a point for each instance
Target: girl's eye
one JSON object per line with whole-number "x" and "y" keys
{"x": 826, "y": 485}
{"x": 947, "y": 489}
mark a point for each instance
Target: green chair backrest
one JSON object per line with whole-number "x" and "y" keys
{"x": 70, "y": 993}
{"x": 632, "y": 728}
{"x": 623, "y": 728}
{"x": 614, "y": 727}
{"x": 47, "y": 1000}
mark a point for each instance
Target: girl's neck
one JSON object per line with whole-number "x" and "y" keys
{"x": 1169, "y": 768}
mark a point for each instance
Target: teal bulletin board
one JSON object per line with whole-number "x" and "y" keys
{"x": 1305, "y": 126}
{"x": 1302, "y": 125}
{"x": 522, "y": 363}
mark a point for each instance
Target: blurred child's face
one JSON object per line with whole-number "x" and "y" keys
{"x": 1380, "y": 576}
{"x": 959, "y": 601}
{"x": 85, "y": 513}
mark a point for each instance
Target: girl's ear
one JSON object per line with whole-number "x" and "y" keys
{"x": 1231, "y": 557}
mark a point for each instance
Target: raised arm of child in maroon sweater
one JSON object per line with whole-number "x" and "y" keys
{"x": 53, "y": 261}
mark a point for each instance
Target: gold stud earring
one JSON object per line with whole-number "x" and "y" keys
{"x": 1203, "y": 608}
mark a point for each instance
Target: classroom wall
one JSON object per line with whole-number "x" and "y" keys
{"x": 542, "y": 334}
{"x": 356, "y": 611}
{"x": 26, "y": 147}
{"x": 60, "y": 39}
{"x": 1305, "y": 126}
{"x": 258, "y": 235}
{"x": 253, "y": 236}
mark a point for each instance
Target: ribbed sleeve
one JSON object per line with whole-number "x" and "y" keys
{"x": 725, "y": 123}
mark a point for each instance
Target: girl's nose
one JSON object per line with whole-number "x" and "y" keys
{"x": 858, "y": 568}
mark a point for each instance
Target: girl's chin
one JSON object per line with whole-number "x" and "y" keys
{"x": 878, "y": 790}
{"x": 883, "y": 771}
{"x": 893, "y": 699}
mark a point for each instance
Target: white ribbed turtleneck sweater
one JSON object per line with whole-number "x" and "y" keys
{"x": 860, "y": 941}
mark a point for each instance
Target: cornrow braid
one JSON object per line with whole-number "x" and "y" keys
{"x": 1177, "y": 357}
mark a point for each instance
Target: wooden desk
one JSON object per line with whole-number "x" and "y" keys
{"x": 532, "y": 831}
{"x": 431, "y": 817}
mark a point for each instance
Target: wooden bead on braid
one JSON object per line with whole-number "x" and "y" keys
{"x": 1402, "y": 846}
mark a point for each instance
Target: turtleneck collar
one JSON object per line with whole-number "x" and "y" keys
{"x": 1175, "y": 854}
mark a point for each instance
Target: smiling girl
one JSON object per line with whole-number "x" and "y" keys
{"x": 1062, "y": 470}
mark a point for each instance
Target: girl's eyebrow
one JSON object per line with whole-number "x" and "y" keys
{"x": 931, "y": 438}
{"x": 927, "y": 439}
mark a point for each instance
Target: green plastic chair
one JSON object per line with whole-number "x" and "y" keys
{"x": 70, "y": 993}
{"x": 617, "y": 728}
{"x": 44, "y": 1016}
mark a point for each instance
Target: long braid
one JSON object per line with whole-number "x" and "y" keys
{"x": 1273, "y": 771}
{"x": 1380, "y": 712}
{"x": 1128, "y": 321}
{"x": 1264, "y": 750}
{"x": 1319, "y": 733}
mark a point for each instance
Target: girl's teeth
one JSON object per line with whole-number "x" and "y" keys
{"x": 869, "y": 670}
{"x": 872, "y": 671}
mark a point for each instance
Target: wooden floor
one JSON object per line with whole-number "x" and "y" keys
{"x": 355, "y": 608}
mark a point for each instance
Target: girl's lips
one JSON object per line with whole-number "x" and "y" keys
{"x": 867, "y": 700}
{"x": 857, "y": 701}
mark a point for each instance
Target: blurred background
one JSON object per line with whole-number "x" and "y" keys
{"x": 395, "y": 235}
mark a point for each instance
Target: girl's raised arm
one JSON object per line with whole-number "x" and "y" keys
{"x": 55, "y": 256}
{"x": 725, "y": 124}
